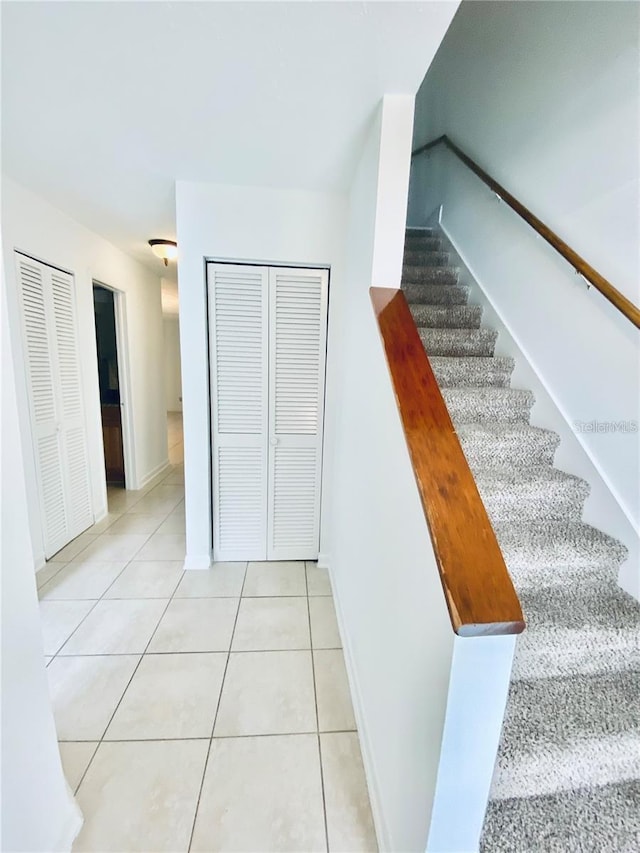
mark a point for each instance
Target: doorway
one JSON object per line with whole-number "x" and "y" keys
{"x": 109, "y": 374}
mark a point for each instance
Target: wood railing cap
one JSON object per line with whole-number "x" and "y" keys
{"x": 478, "y": 590}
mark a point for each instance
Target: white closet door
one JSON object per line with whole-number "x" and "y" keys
{"x": 297, "y": 349}
{"x": 55, "y": 399}
{"x": 71, "y": 414}
{"x": 238, "y": 334}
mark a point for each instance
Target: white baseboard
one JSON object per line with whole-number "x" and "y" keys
{"x": 382, "y": 833}
{"x": 155, "y": 472}
{"x": 100, "y": 514}
{"x": 323, "y": 561}
{"x": 39, "y": 561}
{"x": 197, "y": 562}
{"x": 72, "y": 827}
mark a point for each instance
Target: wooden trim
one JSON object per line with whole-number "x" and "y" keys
{"x": 592, "y": 276}
{"x": 478, "y": 589}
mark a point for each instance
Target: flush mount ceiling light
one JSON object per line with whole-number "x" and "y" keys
{"x": 165, "y": 249}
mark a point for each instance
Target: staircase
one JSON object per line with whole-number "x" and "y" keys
{"x": 567, "y": 776}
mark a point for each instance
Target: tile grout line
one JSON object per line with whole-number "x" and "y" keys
{"x": 215, "y": 716}
{"x": 101, "y": 597}
{"x": 195, "y": 651}
{"x": 101, "y": 740}
{"x": 315, "y": 702}
{"x": 217, "y": 737}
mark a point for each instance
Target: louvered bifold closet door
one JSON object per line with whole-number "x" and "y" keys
{"x": 238, "y": 334}
{"x": 71, "y": 424}
{"x": 55, "y": 401}
{"x": 298, "y": 334}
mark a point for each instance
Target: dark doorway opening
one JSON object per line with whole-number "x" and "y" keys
{"x": 109, "y": 380}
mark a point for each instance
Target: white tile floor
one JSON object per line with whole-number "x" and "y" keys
{"x": 204, "y": 711}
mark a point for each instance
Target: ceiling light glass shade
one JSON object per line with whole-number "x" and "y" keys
{"x": 167, "y": 250}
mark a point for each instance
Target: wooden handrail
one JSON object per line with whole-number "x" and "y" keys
{"x": 477, "y": 586}
{"x": 592, "y": 276}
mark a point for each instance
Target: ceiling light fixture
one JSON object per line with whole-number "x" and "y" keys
{"x": 167, "y": 250}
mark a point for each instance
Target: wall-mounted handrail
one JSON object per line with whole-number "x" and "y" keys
{"x": 592, "y": 276}
{"x": 478, "y": 589}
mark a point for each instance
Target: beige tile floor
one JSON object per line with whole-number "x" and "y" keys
{"x": 204, "y": 711}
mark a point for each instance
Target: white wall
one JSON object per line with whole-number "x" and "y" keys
{"x": 38, "y": 810}
{"x": 33, "y": 226}
{"x": 396, "y": 631}
{"x": 240, "y": 224}
{"x": 172, "y": 375}
{"x": 545, "y": 97}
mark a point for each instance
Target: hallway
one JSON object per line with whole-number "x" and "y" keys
{"x": 203, "y": 710}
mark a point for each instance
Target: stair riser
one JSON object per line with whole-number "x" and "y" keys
{"x": 561, "y": 653}
{"x": 420, "y": 294}
{"x": 522, "y": 454}
{"x": 416, "y": 252}
{"x": 413, "y": 233}
{"x": 606, "y": 818}
{"x": 430, "y": 275}
{"x": 548, "y": 548}
{"x": 424, "y": 259}
{"x": 461, "y": 372}
{"x": 432, "y": 317}
{"x": 449, "y": 342}
{"x": 554, "y": 505}
{"x": 488, "y": 410}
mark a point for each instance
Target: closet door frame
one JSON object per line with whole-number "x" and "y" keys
{"x": 269, "y": 266}
{"x": 126, "y": 408}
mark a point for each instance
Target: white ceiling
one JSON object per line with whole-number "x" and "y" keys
{"x": 106, "y": 104}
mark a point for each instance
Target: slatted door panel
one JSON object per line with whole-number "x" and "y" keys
{"x": 298, "y": 330}
{"x": 34, "y": 287}
{"x": 31, "y": 277}
{"x": 238, "y": 329}
{"x": 72, "y": 432}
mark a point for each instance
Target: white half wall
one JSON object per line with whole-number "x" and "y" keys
{"x": 544, "y": 96}
{"x": 241, "y": 224}
{"x": 32, "y": 226}
{"x": 38, "y": 810}
{"x": 395, "y": 627}
{"x": 172, "y": 374}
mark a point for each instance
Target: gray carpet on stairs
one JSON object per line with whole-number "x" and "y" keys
{"x": 566, "y": 777}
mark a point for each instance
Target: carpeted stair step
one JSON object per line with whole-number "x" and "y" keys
{"x": 413, "y": 256}
{"x": 488, "y": 405}
{"x": 518, "y": 445}
{"x": 605, "y": 819}
{"x": 531, "y": 493}
{"x": 586, "y": 606}
{"x": 571, "y": 738}
{"x": 459, "y": 342}
{"x": 563, "y": 652}
{"x": 417, "y": 293}
{"x": 450, "y": 317}
{"x": 426, "y": 242}
{"x": 578, "y": 729}
{"x": 413, "y": 234}
{"x": 425, "y": 259}
{"x": 582, "y": 629}
{"x": 542, "y": 548}
{"x": 456, "y": 371}
{"x": 430, "y": 275}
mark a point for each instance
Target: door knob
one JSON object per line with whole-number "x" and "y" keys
{"x": 274, "y": 441}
